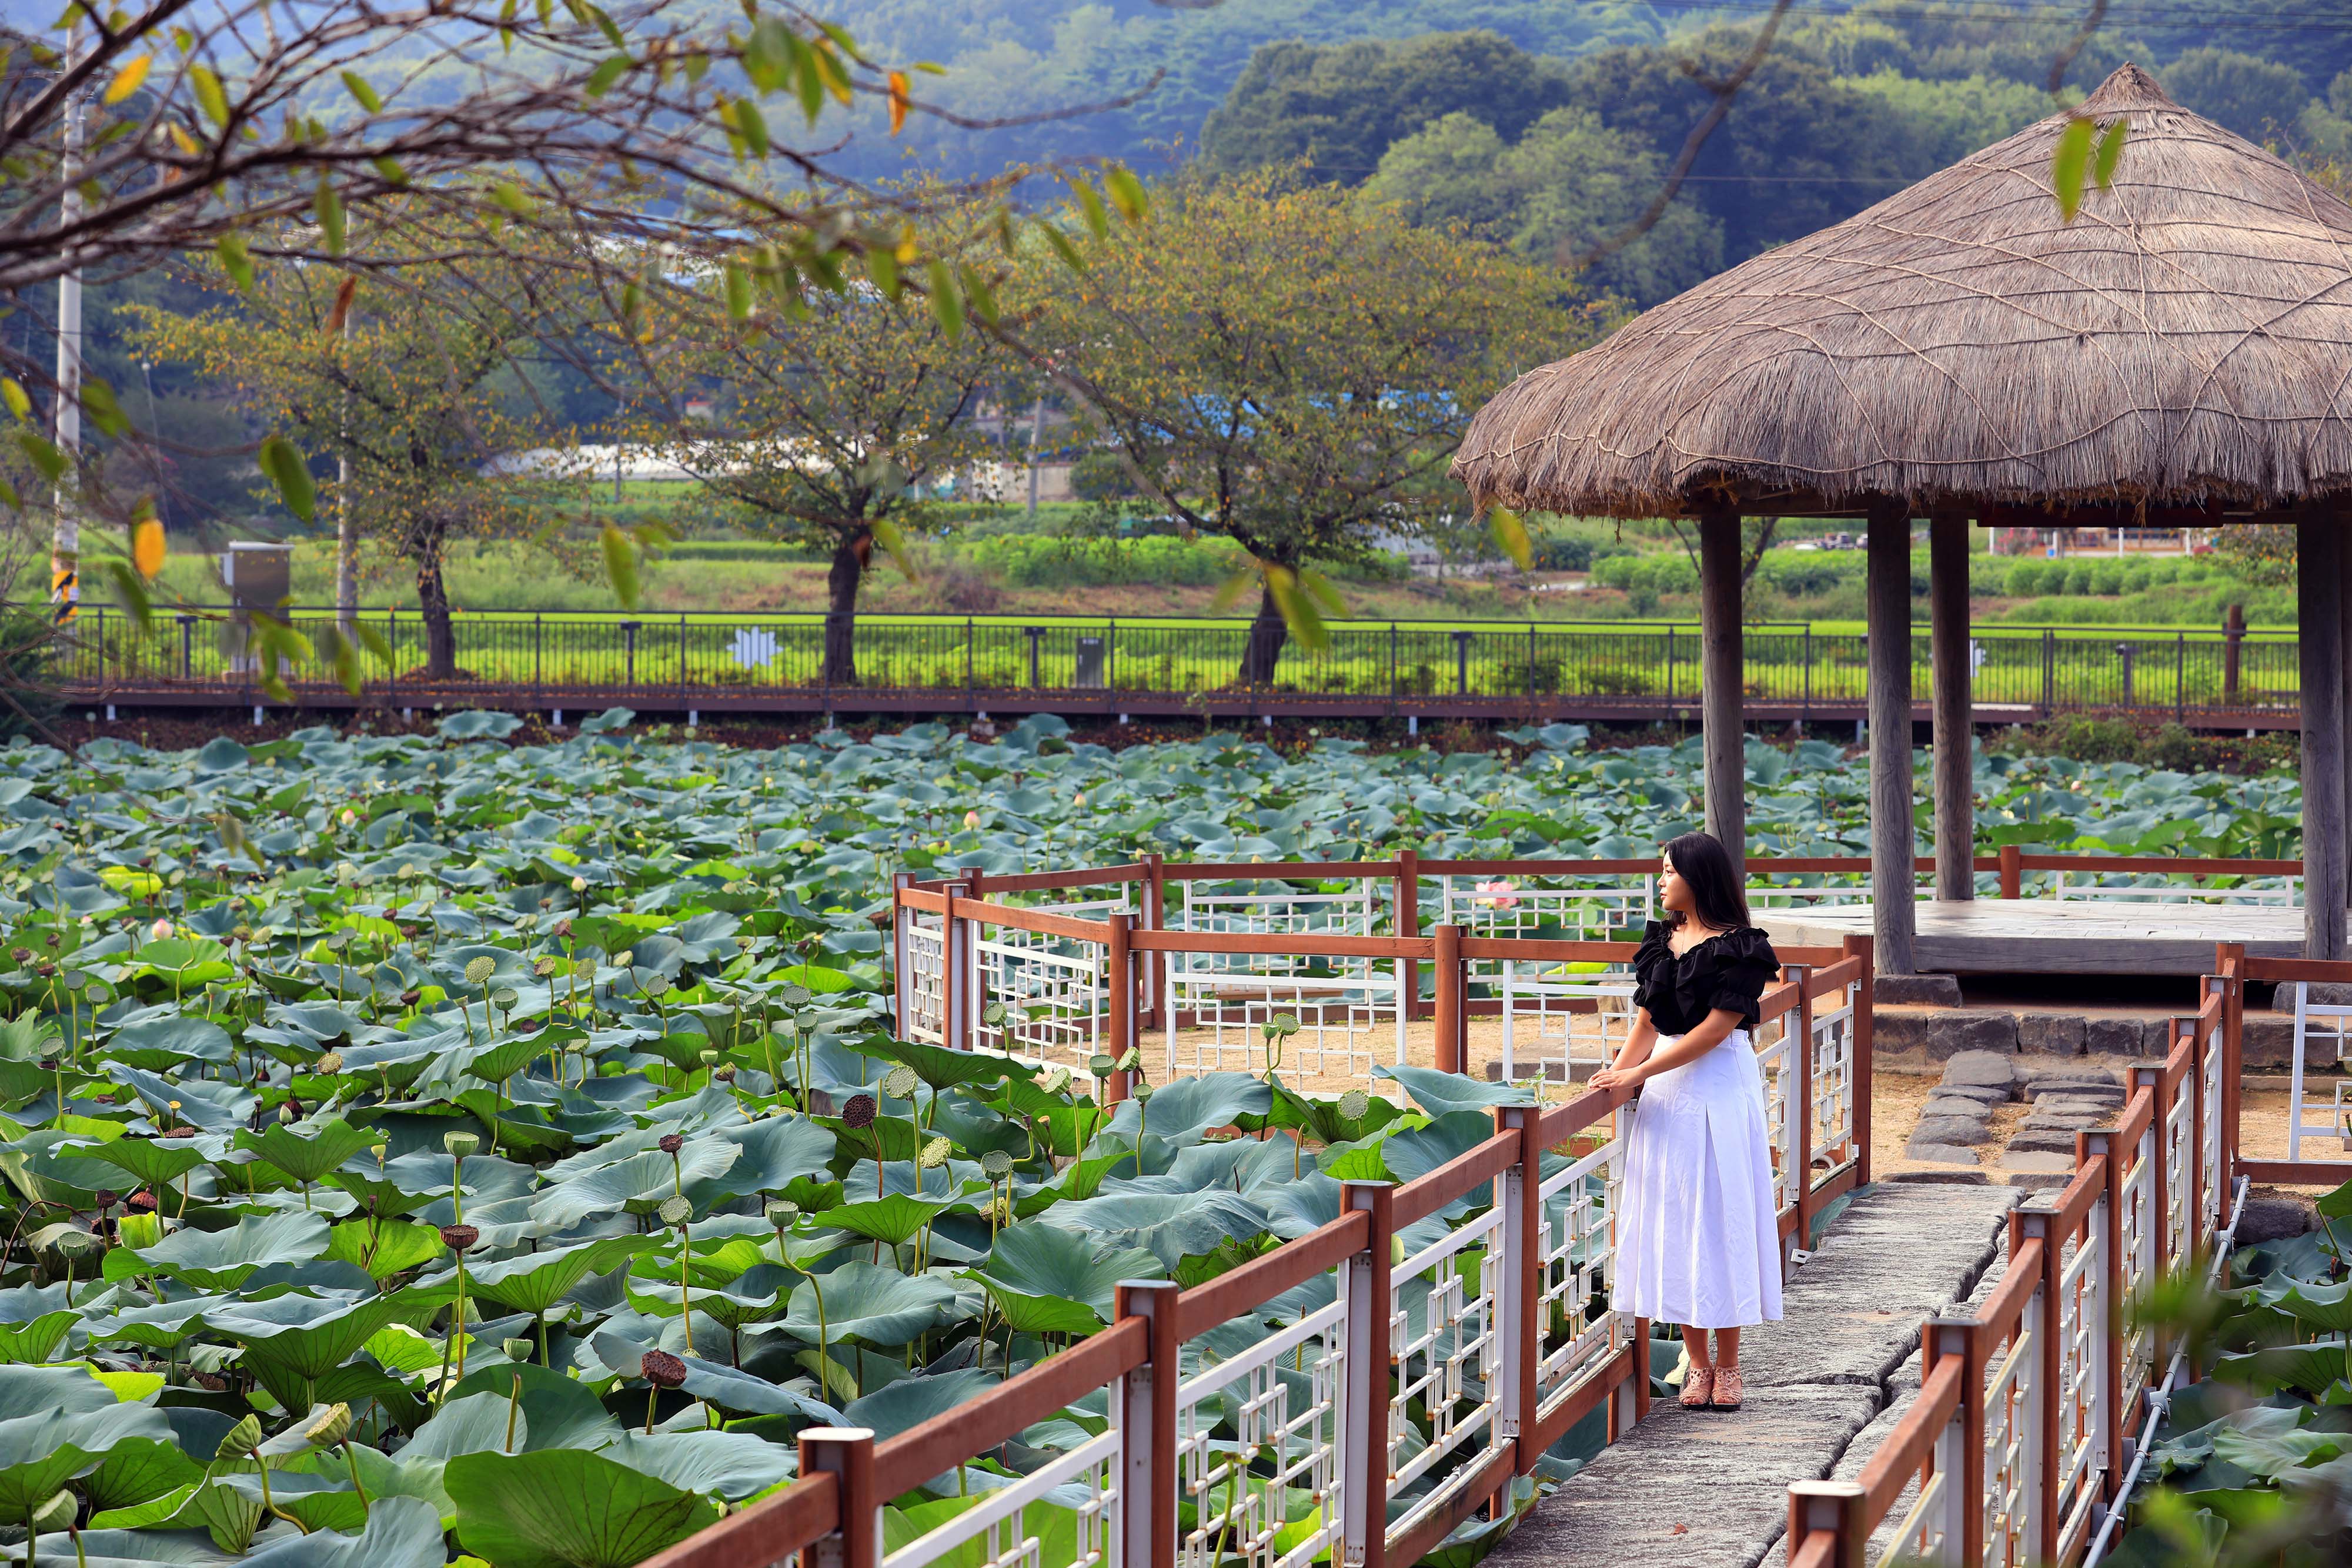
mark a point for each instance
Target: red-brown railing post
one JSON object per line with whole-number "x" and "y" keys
{"x": 958, "y": 980}
{"x": 1118, "y": 1003}
{"x": 1147, "y": 1426}
{"x": 848, "y": 1453}
{"x": 1864, "y": 999}
{"x": 2013, "y": 871}
{"x": 1519, "y": 1292}
{"x": 1961, "y": 1456}
{"x": 901, "y": 917}
{"x": 1407, "y": 925}
{"x": 1641, "y": 1377}
{"x": 1365, "y": 1438}
{"x": 1452, "y": 1035}
{"x": 1834, "y": 1507}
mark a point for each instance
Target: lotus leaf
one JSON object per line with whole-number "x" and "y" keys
{"x": 562, "y": 1508}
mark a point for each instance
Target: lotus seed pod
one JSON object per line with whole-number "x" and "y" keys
{"x": 996, "y": 1164}
{"x": 1142, "y": 1093}
{"x": 22, "y": 955}
{"x": 723, "y": 1074}
{"x": 516, "y": 1349}
{"x": 669, "y": 1143}
{"x": 662, "y": 1369}
{"x": 1057, "y": 1082}
{"x": 1355, "y": 1105}
{"x": 480, "y": 969}
{"x": 707, "y": 1057}
{"x": 858, "y": 1114}
{"x": 934, "y": 1154}
{"x": 543, "y": 967}
{"x": 330, "y": 1063}
{"x": 333, "y": 1425}
{"x": 56, "y": 1514}
{"x": 1101, "y": 1066}
{"x": 460, "y": 1144}
{"x": 106, "y": 1198}
{"x": 240, "y": 1439}
{"x": 782, "y": 1211}
{"x": 622, "y": 960}
{"x": 675, "y": 1211}
{"x": 141, "y": 1202}
{"x": 900, "y": 1082}
{"x": 505, "y": 998}
{"x": 459, "y": 1237}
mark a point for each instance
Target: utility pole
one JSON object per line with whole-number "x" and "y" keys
{"x": 1036, "y": 435}
{"x": 65, "y": 530}
{"x": 347, "y": 529}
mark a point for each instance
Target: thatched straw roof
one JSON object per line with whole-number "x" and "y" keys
{"x": 2186, "y": 340}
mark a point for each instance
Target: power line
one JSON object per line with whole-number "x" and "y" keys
{"x": 2056, "y": 14}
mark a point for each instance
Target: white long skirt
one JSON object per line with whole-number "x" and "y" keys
{"x": 1698, "y": 1242}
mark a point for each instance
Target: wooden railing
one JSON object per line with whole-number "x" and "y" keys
{"x": 2033, "y": 1410}
{"x": 1495, "y": 1321}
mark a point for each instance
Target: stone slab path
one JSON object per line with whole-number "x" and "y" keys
{"x": 1711, "y": 1489}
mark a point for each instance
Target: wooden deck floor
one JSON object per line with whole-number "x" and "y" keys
{"x": 2054, "y": 937}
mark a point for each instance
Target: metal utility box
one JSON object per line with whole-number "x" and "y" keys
{"x": 1091, "y": 664}
{"x": 258, "y": 576}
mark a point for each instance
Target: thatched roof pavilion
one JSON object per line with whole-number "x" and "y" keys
{"x": 2180, "y": 352}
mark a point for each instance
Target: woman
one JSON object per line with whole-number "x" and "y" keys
{"x": 1698, "y": 1244}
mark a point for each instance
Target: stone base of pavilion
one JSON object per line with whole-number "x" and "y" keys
{"x": 2058, "y": 937}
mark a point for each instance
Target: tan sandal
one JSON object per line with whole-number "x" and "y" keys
{"x": 1698, "y": 1388}
{"x": 1727, "y": 1388}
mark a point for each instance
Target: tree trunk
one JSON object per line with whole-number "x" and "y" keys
{"x": 1267, "y": 634}
{"x": 841, "y": 581}
{"x": 433, "y": 602}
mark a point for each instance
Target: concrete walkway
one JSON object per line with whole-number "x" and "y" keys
{"x": 1711, "y": 1489}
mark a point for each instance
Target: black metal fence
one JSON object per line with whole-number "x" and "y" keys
{"x": 512, "y": 658}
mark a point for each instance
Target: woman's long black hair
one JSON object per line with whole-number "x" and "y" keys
{"x": 1703, "y": 863}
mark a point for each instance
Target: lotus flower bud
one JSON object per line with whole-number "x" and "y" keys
{"x": 669, "y": 1143}
{"x": 240, "y": 1439}
{"x": 858, "y": 1114}
{"x": 349, "y": 817}
{"x": 662, "y": 1369}
{"x": 292, "y": 1111}
{"x": 972, "y": 819}
{"x": 160, "y": 930}
{"x": 460, "y": 1144}
{"x": 675, "y": 1211}
{"x": 900, "y": 1082}
{"x": 459, "y": 1237}
{"x": 579, "y": 885}
{"x": 1081, "y": 803}
{"x": 333, "y": 1425}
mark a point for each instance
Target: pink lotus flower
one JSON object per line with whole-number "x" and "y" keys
{"x": 1497, "y": 895}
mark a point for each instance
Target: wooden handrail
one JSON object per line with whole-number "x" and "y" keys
{"x": 1912, "y": 1442}
{"x": 1312, "y": 943}
{"x": 2075, "y": 1198}
{"x": 2138, "y": 1113}
{"x": 2006, "y": 1305}
{"x": 956, "y": 1437}
{"x": 1292, "y": 1264}
{"x": 766, "y": 1532}
{"x": 1036, "y": 920}
{"x": 1426, "y": 1195}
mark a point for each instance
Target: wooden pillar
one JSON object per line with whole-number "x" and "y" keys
{"x": 2341, "y": 521}
{"x": 1722, "y": 674}
{"x": 2319, "y": 637}
{"x": 1954, "y": 703}
{"x": 1892, "y": 844}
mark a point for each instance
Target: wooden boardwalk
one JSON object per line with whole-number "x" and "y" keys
{"x": 2060, "y": 936}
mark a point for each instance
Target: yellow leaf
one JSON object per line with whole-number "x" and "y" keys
{"x": 147, "y": 547}
{"x": 126, "y": 81}
{"x": 1511, "y": 535}
{"x": 897, "y": 101}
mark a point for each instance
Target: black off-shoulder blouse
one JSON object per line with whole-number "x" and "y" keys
{"x": 1728, "y": 970}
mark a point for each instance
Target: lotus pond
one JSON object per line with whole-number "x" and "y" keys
{"x": 425, "y": 1148}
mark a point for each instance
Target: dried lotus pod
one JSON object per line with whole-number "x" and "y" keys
{"x": 459, "y": 1237}
{"x": 858, "y": 1114}
{"x": 662, "y": 1369}
{"x": 669, "y": 1143}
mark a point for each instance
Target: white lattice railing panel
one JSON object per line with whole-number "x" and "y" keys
{"x": 2323, "y": 1026}
{"x": 1919, "y": 1538}
{"x": 2210, "y": 1148}
{"x": 2081, "y": 1319}
{"x": 2152, "y": 887}
{"x": 1217, "y": 1019}
{"x": 2181, "y": 1155}
{"x": 923, "y": 974}
{"x": 1557, "y": 1020}
{"x": 1597, "y": 908}
{"x": 1256, "y": 1431}
{"x": 1576, "y": 1251}
{"x": 2136, "y": 1246}
{"x": 1831, "y": 1092}
{"x": 1448, "y": 1355}
{"x": 2009, "y": 1409}
{"x": 1778, "y": 1064}
{"x": 1009, "y": 1528}
{"x": 1038, "y": 996}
